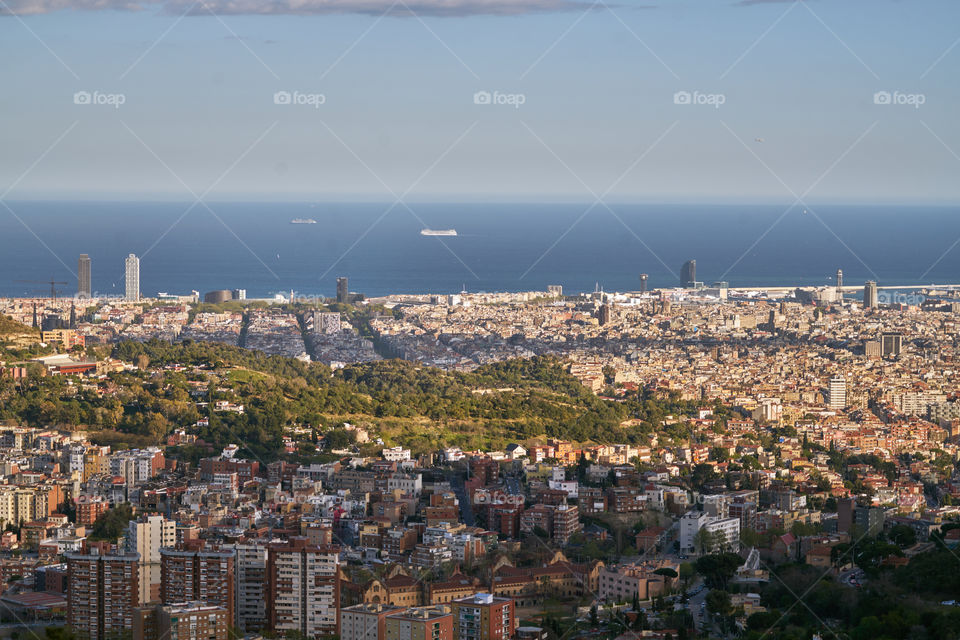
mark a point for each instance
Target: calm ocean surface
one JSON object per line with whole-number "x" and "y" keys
{"x": 253, "y": 246}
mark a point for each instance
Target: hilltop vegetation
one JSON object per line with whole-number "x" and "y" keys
{"x": 409, "y": 404}
{"x": 10, "y": 327}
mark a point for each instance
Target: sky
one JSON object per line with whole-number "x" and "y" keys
{"x": 507, "y": 100}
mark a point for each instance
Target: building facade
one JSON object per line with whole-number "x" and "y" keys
{"x": 483, "y": 617}
{"x": 102, "y": 593}
{"x": 203, "y": 576}
{"x": 303, "y": 591}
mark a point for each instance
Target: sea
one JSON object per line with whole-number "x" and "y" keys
{"x": 498, "y": 247}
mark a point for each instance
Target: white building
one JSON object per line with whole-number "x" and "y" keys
{"x": 396, "y": 454}
{"x": 146, "y": 536}
{"x": 837, "y": 393}
{"x": 690, "y": 525}
{"x": 693, "y": 521}
{"x": 406, "y": 484}
{"x": 132, "y": 279}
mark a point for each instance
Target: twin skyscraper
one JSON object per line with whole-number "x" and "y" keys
{"x": 131, "y": 278}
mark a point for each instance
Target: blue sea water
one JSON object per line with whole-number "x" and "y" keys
{"x": 500, "y": 247}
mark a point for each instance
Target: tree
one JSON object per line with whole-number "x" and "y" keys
{"x": 718, "y": 602}
{"x": 902, "y": 535}
{"x": 111, "y": 524}
{"x": 686, "y": 573}
{"x": 718, "y": 568}
{"x": 749, "y": 537}
{"x": 667, "y": 572}
{"x": 707, "y": 541}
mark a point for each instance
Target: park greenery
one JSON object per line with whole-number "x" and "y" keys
{"x": 174, "y": 385}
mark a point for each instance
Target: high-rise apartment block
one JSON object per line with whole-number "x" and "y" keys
{"x": 205, "y": 576}
{"x": 837, "y": 393}
{"x": 251, "y": 591}
{"x": 146, "y": 536}
{"x": 303, "y": 587}
{"x": 102, "y": 593}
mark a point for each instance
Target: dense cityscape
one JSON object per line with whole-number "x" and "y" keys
{"x": 665, "y": 464}
{"x": 479, "y": 320}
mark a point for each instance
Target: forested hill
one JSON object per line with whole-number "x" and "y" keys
{"x": 409, "y": 404}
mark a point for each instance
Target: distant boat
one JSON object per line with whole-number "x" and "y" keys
{"x": 303, "y": 221}
{"x": 438, "y": 232}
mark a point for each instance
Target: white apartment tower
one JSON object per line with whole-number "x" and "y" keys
{"x": 837, "y": 393}
{"x": 146, "y": 536}
{"x": 132, "y": 279}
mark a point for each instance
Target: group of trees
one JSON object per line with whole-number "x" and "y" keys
{"x": 542, "y": 399}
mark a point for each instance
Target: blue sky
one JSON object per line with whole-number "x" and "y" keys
{"x": 598, "y": 118}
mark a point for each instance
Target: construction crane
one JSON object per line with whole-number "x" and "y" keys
{"x": 53, "y": 285}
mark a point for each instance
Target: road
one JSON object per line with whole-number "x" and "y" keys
{"x": 851, "y": 577}
{"x": 466, "y": 510}
{"x": 695, "y": 603}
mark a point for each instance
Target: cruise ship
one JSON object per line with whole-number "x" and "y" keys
{"x": 303, "y": 221}
{"x": 438, "y": 232}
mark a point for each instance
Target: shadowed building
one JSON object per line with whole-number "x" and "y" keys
{"x": 688, "y": 274}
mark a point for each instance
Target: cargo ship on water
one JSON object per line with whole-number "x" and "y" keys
{"x": 438, "y": 232}
{"x": 303, "y": 221}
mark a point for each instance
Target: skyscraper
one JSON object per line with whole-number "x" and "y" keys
{"x": 643, "y": 283}
{"x": 837, "y": 393}
{"x": 840, "y": 285}
{"x": 870, "y": 295}
{"x": 83, "y": 276}
{"x": 132, "y": 279}
{"x": 343, "y": 290}
{"x": 688, "y": 274}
